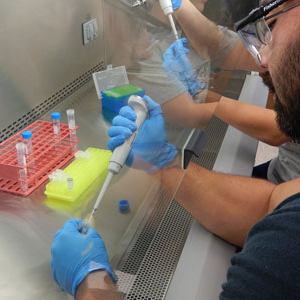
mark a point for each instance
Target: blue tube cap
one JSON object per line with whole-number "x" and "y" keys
{"x": 27, "y": 134}
{"x": 124, "y": 205}
{"x": 55, "y": 116}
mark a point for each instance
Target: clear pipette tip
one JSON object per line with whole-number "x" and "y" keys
{"x": 87, "y": 223}
{"x": 83, "y": 228}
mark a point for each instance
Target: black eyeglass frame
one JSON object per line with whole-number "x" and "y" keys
{"x": 244, "y": 22}
{"x": 258, "y": 13}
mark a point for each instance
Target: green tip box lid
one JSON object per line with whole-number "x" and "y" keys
{"x": 114, "y": 99}
{"x": 122, "y": 91}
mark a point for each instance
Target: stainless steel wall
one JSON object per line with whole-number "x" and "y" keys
{"x": 43, "y": 59}
{"x": 42, "y": 51}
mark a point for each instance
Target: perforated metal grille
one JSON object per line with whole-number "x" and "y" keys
{"x": 162, "y": 255}
{"x": 154, "y": 258}
{"x": 148, "y": 268}
{"x": 49, "y": 103}
{"x": 215, "y": 132}
{"x": 146, "y": 236}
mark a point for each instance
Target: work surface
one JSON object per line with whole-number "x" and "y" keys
{"x": 27, "y": 225}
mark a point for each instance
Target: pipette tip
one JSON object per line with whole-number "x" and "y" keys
{"x": 91, "y": 216}
{"x": 84, "y": 227}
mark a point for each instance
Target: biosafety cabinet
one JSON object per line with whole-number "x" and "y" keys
{"x": 49, "y": 51}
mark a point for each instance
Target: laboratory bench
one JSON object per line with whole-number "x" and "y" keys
{"x": 157, "y": 249}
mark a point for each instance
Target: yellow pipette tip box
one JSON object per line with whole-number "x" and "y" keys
{"x": 70, "y": 183}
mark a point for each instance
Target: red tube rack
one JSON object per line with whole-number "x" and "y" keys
{"x": 50, "y": 152}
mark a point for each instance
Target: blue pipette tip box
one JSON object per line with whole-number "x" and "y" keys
{"x": 114, "y": 99}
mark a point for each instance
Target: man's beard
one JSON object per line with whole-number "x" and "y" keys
{"x": 285, "y": 84}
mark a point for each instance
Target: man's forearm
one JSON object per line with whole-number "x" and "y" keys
{"x": 226, "y": 205}
{"x": 195, "y": 115}
{"x": 203, "y": 34}
{"x": 97, "y": 286}
{"x": 257, "y": 122}
{"x": 207, "y": 39}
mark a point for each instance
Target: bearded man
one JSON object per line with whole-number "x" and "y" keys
{"x": 255, "y": 214}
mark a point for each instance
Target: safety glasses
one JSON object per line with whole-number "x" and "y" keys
{"x": 254, "y": 31}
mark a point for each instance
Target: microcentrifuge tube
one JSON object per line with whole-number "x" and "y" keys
{"x": 70, "y": 183}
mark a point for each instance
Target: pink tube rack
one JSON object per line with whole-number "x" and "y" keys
{"x": 50, "y": 152}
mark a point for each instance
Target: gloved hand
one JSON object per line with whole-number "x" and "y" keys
{"x": 176, "y": 4}
{"x": 178, "y": 67}
{"x": 75, "y": 255}
{"x": 150, "y": 150}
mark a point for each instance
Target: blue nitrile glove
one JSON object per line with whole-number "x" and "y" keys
{"x": 150, "y": 150}
{"x": 178, "y": 67}
{"x": 75, "y": 255}
{"x": 176, "y": 4}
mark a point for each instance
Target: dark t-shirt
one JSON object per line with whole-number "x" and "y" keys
{"x": 268, "y": 267}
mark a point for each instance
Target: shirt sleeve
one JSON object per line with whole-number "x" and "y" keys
{"x": 228, "y": 42}
{"x": 268, "y": 267}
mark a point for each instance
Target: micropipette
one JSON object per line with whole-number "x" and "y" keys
{"x": 120, "y": 153}
{"x": 166, "y": 6}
